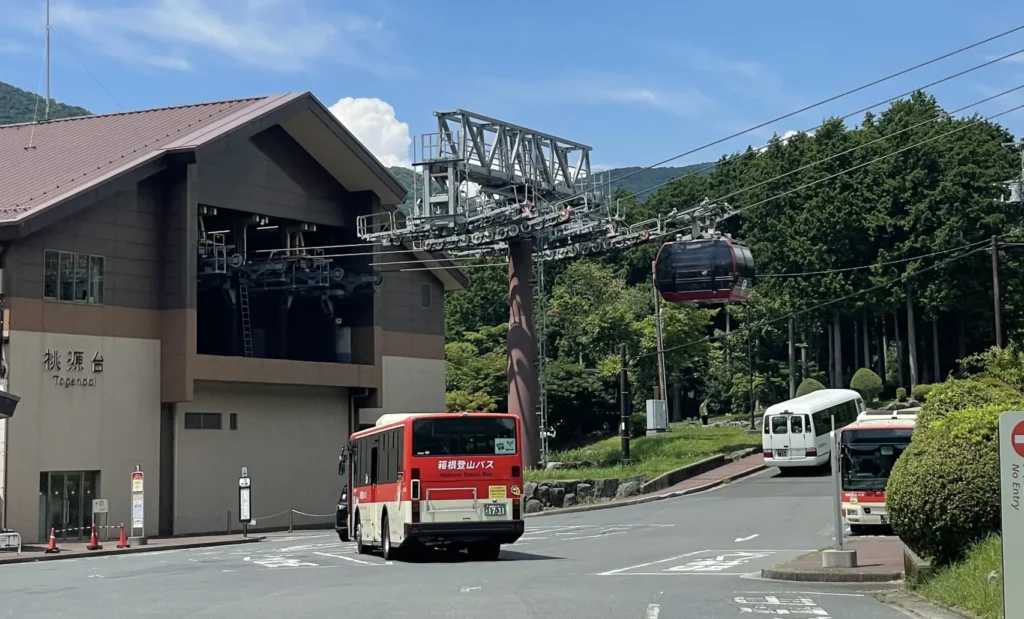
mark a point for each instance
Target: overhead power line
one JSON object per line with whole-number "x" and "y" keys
{"x": 828, "y": 100}
{"x": 875, "y": 264}
{"x": 871, "y": 161}
{"x": 716, "y": 164}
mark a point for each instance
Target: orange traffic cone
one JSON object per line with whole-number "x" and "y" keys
{"x": 122, "y": 542}
{"x": 94, "y": 540}
{"x": 51, "y": 547}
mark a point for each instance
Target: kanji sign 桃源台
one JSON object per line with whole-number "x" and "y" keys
{"x": 72, "y": 368}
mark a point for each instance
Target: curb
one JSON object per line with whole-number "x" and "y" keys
{"x": 651, "y": 498}
{"x": 128, "y": 551}
{"x": 834, "y": 577}
{"x": 920, "y": 607}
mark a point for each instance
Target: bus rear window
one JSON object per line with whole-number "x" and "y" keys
{"x": 464, "y": 436}
{"x": 780, "y": 424}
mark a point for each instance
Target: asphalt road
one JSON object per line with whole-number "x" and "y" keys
{"x": 691, "y": 557}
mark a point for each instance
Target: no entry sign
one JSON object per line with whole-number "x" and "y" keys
{"x": 1011, "y": 482}
{"x": 1017, "y": 439}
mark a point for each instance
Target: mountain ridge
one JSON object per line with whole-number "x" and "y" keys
{"x": 22, "y": 106}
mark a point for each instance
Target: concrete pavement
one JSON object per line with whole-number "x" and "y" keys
{"x": 694, "y": 556}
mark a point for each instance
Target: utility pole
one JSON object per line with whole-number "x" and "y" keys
{"x": 750, "y": 365}
{"x": 624, "y": 402}
{"x": 46, "y": 115}
{"x": 662, "y": 394}
{"x": 996, "y": 301}
{"x": 792, "y": 362}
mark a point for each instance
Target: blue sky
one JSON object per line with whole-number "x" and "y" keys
{"x": 639, "y": 81}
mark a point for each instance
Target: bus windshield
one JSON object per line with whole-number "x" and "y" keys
{"x": 869, "y": 455}
{"x": 464, "y": 436}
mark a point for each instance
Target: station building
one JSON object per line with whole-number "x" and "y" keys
{"x": 184, "y": 292}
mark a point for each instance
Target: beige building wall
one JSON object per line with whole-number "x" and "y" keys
{"x": 289, "y": 439}
{"x": 408, "y": 385}
{"x": 80, "y": 420}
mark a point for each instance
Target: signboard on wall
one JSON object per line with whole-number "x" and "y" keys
{"x": 73, "y": 368}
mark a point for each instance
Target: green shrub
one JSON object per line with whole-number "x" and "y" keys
{"x": 943, "y": 494}
{"x": 901, "y": 395}
{"x": 638, "y": 425}
{"x": 959, "y": 394}
{"x": 867, "y": 384}
{"x": 1003, "y": 364}
{"x": 921, "y": 392}
{"x": 808, "y": 385}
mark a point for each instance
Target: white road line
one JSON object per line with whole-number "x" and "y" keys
{"x": 569, "y": 539}
{"x": 652, "y": 611}
{"x": 327, "y": 554}
{"x": 747, "y": 538}
{"x": 468, "y": 589}
{"x": 633, "y": 567}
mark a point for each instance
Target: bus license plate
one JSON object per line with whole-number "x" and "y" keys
{"x": 781, "y": 453}
{"x": 494, "y": 509}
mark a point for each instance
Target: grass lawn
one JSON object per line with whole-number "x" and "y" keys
{"x": 651, "y": 456}
{"x": 966, "y": 586}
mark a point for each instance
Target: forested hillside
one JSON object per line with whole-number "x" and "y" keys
{"x": 21, "y": 106}
{"x": 850, "y": 228}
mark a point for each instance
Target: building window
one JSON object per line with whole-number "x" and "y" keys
{"x": 202, "y": 421}
{"x": 425, "y": 296}
{"x": 68, "y": 276}
{"x": 233, "y": 421}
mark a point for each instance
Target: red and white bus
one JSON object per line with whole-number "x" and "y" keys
{"x": 452, "y": 480}
{"x": 869, "y": 447}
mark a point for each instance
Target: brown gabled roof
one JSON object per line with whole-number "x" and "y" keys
{"x": 43, "y": 165}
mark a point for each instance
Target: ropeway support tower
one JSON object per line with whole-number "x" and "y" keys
{"x": 486, "y": 187}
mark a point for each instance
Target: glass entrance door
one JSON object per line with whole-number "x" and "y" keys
{"x": 68, "y": 504}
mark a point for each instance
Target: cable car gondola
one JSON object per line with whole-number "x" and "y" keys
{"x": 717, "y": 270}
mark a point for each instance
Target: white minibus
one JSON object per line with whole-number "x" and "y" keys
{"x": 797, "y": 432}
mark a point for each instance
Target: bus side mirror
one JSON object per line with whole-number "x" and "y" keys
{"x": 342, "y": 461}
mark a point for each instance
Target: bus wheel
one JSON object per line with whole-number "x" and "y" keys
{"x": 361, "y": 547}
{"x": 485, "y": 551}
{"x": 388, "y": 551}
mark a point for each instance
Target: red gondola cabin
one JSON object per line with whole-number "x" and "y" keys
{"x": 719, "y": 270}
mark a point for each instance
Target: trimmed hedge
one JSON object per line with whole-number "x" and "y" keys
{"x": 957, "y": 394}
{"x": 921, "y": 392}
{"x": 808, "y": 385}
{"x": 867, "y": 384}
{"x": 901, "y": 394}
{"x": 943, "y": 494}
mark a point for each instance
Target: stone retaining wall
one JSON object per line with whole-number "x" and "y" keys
{"x": 541, "y": 495}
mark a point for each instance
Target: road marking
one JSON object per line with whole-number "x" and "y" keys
{"x": 715, "y": 564}
{"x": 468, "y": 589}
{"x": 277, "y": 561}
{"x": 327, "y": 554}
{"x": 778, "y": 605}
{"x": 652, "y": 611}
{"x": 849, "y": 595}
{"x": 569, "y": 539}
{"x": 747, "y": 538}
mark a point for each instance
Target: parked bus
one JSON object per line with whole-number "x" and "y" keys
{"x": 452, "y": 480}
{"x": 797, "y": 432}
{"x": 868, "y": 450}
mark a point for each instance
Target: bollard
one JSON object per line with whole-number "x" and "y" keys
{"x": 291, "y": 514}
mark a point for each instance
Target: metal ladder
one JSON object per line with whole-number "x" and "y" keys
{"x": 540, "y": 329}
{"x": 243, "y": 300}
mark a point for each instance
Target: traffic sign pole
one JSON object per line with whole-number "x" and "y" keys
{"x": 1011, "y": 483}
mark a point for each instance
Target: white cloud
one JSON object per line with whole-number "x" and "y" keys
{"x": 749, "y": 78}
{"x": 177, "y": 34}
{"x": 374, "y": 123}
{"x": 600, "y": 88}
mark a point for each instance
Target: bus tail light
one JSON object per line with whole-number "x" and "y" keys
{"x": 414, "y": 490}
{"x": 516, "y": 472}
{"x": 768, "y": 455}
{"x": 416, "y": 509}
{"x": 812, "y": 453}
{"x": 516, "y": 515}
{"x": 415, "y": 473}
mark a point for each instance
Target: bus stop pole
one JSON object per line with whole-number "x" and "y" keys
{"x": 624, "y": 402}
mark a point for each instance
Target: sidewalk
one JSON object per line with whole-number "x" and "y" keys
{"x": 77, "y": 550}
{"x": 878, "y": 560}
{"x": 705, "y": 481}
